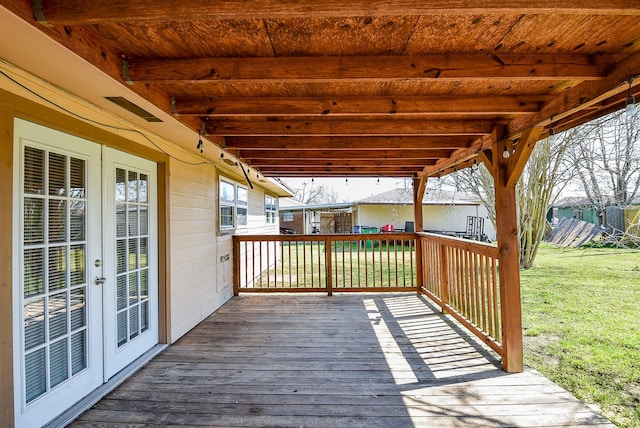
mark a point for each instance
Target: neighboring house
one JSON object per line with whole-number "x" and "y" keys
{"x": 579, "y": 208}
{"x": 617, "y": 219}
{"x": 300, "y": 218}
{"x": 443, "y": 212}
{"x": 116, "y": 233}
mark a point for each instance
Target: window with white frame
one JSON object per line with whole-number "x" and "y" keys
{"x": 227, "y": 204}
{"x": 270, "y": 209}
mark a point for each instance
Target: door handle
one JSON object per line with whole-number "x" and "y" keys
{"x": 100, "y": 280}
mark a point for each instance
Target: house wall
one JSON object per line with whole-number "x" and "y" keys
{"x": 436, "y": 217}
{"x": 297, "y": 224}
{"x": 195, "y": 258}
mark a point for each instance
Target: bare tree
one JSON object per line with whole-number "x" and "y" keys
{"x": 606, "y": 153}
{"x": 315, "y": 194}
{"x": 542, "y": 180}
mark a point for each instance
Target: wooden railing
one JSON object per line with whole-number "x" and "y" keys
{"x": 458, "y": 274}
{"x": 462, "y": 277}
{"x": 327, "y": 263}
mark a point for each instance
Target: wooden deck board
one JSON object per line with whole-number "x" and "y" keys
{"x": 342, "y": 361}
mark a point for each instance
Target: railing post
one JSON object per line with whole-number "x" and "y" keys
{"x": 444, "y": 277}
{"x": 328, "y": 264}
{"x": 236, "y": 266}
{"x": 419, "y": 264}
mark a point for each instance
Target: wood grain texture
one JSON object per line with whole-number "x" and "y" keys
{"x": 368, "y": 360}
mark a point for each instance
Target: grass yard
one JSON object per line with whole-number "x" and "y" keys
{"x": 581, "y": 319}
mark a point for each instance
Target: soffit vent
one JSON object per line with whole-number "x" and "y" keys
{"x": 131, "y": 107}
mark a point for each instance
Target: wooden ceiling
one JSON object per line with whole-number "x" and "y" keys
{"x": 359, "y": 88}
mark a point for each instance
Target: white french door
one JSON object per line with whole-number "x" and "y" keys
{"x": 82, "y": 265}
{"x": 130, "y": 259}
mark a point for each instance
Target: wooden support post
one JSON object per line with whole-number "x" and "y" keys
{"x": 419, "y": 185}
{"x": 506, "y": 172}
{"x": 328, "y": 265}
{"x": 509, "y": 262}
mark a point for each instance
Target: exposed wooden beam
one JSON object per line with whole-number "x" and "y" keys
{"x": 77, "y": 12}
{"x": 295, "y": 155}
{"x": 354, "y": 106}
{"x": 318, "y": 126}
{"x": 369, "y": 68}
{"x": 391, "y": 171}
{"x": 378, "y": 163}
{"x": 348, "y": 143}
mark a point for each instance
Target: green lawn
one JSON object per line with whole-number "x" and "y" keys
{"x": 581, "y": 318}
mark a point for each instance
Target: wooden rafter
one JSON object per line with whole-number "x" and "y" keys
{"x": 369, "y": 68}
{"x": 299, "y": 155}
{"x": 74, "y": 12}
{"x": 376, "y": 163}
{"x": 348, "y": 143}
{"x": 321, "y": 126}
{"x": 355, "y": 106}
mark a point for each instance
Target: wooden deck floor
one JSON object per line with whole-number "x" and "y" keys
{"x": 342, "y": 361}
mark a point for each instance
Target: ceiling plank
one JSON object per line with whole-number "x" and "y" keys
{"x": 369, "y": 68}
{"x": 74, "y": 12}
{"x": 350, "y": 143}
{"x": 289, "y": 126}
{"x": 353, "y": 106}
{"x": 295, "y": 155}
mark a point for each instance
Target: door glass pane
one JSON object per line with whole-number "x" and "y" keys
{"x": 121, "y": 185}
{"x": 78, "y": 352}
{"x": 54, "y": 276}
{"x": 77, "y": 185}
{"x": 121, "y": 256}
{"x": 33, "y": 271}
{"x": 78, "y": 304}
{"x": 57, "y": 220}
{"x": 144, "y": 188}
{"x": 33, "y": 171}
{"x": 121, "y": 220}
{"x": 57, "y": 268}
{"x": 132, "y": 190}
{"x": 76, "y": 220}
{"x": 57, "y": 315}
{"x": 144, "y": 250}
{"x": 133, "y": 254}
{"x": 35, "y": 374}
{"x": 144, "y": 316}
{"x": 33, "y": 220}
{"x": 76, "y": 261}
{"x": 144, "y": 221}
{"x": 121, "y": 292}
{"x": 57, "y": 174}
{"x": 34, "y": 323}
{"x": 122, "y": 328}
{"x": 58, "y": 363}
{"x": 132, "y": 214}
